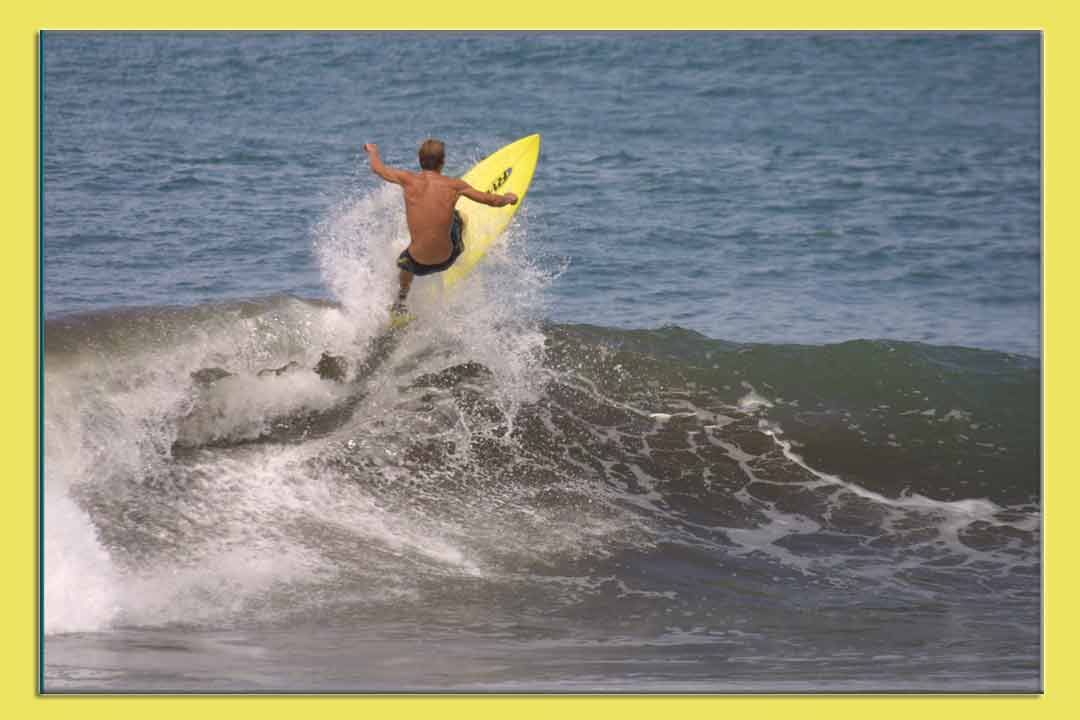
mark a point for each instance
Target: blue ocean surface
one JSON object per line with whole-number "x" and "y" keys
{"x": 746, "y": 400}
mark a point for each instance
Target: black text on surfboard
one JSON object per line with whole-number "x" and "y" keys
{"x": 501, "y": 180}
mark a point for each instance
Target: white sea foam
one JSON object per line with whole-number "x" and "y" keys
{"x": 80, "y": 582}
{"x": 752, "y": 401}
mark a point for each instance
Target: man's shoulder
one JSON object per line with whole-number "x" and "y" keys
{"x": 408, "y": 176}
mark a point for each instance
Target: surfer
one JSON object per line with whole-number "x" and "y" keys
{"x": 435, "y": 227}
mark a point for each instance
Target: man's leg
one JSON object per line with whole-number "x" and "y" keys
{"x": 405, "y": 278}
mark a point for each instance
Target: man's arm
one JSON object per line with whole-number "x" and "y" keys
{"x": 382, "y": 170}
{"x": 486, "y": 198}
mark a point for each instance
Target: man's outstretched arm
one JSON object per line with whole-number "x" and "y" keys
{"x": 382, "y": 170}
{"x": 486, "y": 198}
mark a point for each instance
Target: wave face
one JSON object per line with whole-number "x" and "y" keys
{"x": 485, "y": 468}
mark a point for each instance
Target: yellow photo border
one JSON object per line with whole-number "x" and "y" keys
{"x": 20, "y": 28}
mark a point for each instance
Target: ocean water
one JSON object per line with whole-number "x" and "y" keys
{"x": 747, "y": 401}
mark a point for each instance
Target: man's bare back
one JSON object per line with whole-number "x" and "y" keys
{"x": 430, "y": 198}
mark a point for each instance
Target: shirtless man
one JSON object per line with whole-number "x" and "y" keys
{"x": 435, "y": 227}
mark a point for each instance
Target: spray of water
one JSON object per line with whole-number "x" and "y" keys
{"x": 137, "y": 534}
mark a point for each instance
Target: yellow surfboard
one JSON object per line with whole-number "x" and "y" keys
{"x": 504, "y": 171}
